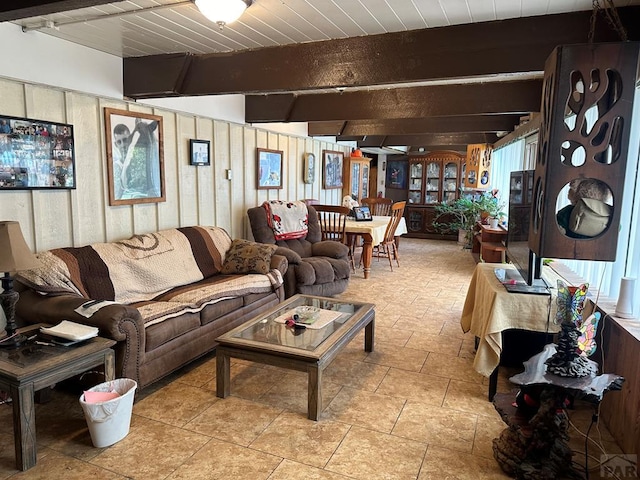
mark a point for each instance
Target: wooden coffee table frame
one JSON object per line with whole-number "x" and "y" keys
{"x": 311, "y": 361}
{"x": 23, "y": 382}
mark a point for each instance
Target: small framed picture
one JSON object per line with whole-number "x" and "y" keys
{"x": 332, "y": 177}
{"x": 269, "y": 168}
{"x": 362, "y": 214}
{"x": 309, "y": 169}
{"x": 199, "y": 152}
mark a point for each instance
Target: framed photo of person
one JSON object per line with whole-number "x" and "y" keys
{"x": 269, "y": 171}
{"x": 199, "y": 152}
{"x": 309, "y": 168}
{"x": 332, "y": 169}
{"x": 135, "y": 161}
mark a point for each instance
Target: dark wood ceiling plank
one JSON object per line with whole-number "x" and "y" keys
{"x": 16, "y": 9}
{"x": 411, "y": 102}
{"x": 407, "y": 126}
{"x": 505, "y": 46}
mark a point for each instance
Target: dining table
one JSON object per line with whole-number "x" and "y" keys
{"x": 372, "y": 233}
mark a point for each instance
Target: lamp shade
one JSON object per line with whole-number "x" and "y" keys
{"x": 222, "y": 11}
{"x": 15, "y": 255}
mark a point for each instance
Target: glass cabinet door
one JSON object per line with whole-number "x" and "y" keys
{"x": 415, "y": 220}
{"x": 355, "y": 179}
{"x": 415, "y": 177}
{"x": 415, "y": 183}
{"x": 516, "y": 188}
{"x": 365, "y": 181}
{"x": 530, "y": 187}
{"x": 432, "y": 187}
{"x": 450, "y": 182}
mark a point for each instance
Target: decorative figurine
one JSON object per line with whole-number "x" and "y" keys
{"x": 577, "y": 335}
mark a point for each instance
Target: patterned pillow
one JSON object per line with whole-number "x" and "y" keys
{"x": 248, "y": 257}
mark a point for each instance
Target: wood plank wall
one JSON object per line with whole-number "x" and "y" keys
{"x": 620, "y": 410}
{"x": 195, "y": 195}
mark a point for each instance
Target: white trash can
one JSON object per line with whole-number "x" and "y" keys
{"x": 109, "y": 421}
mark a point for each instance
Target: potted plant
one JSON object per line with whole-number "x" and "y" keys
{"x": 491, "y": 208}
{"x": 462, "y": 214}
{"x": 459, "y": 216}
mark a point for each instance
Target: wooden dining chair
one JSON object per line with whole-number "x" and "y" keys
{"x": 388, "y": 248}
{"x": 378, "y": 205}
{"x": 332, "y": 219}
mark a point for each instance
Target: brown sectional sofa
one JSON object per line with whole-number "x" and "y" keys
{"x": 163, "y": 296}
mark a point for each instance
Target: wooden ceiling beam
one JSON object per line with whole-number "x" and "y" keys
{"x": 16, "y": 9}
{"x": 425, "y": 140}
{"x": 407, "y": 126}
{"x": 515, "y": 98}
{"x": 332, "y": 128}
{"x": 487, "y": 48}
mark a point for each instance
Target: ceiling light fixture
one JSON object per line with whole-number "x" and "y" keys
{"x": 223, "y": 12}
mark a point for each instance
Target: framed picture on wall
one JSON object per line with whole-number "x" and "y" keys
{"x": 269, "y": 171}
{"x": 396, "y": 174}
{"x": 36, "y": 154}
{"x": 199, "y": 152}
{"x": 135, "y": 161}
{"x": 332, "y": 169}
{"x": 309, "y": 168}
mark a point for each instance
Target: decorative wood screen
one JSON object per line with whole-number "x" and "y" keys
{"x": 587, "y": 102}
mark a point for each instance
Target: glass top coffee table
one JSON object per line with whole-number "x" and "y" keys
{"x": 267, "y": 339}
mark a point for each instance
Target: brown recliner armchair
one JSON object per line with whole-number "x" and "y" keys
{"x": 316, "y": 266}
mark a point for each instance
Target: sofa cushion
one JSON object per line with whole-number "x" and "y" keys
{"x": 153, "y": 312}
{"x": 164, "y": 332}
{"x": 330, "y": 248}
{"x": 317, "y": 270}
{"x": 211, "y": 290}
{"x": 217, "y": 310}
{"x": 195, "y": 297}
{"x": 245, "y": 256}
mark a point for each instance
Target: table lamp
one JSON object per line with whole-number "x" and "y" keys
{"x": 15, "y": 255}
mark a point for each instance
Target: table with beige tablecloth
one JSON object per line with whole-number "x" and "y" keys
{"x": 372, "y": 233}
{"x": 489, "y": 310}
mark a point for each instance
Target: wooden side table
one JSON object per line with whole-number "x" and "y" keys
{"x": 489, "y": 243}
{"x": 31, "y": 367}
{"x": 535, "y": 442}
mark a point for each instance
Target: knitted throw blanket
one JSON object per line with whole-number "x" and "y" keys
{"x": 288, "y": 220}
{"x": 160, "y": 274}
{"x": 132, "y": 270}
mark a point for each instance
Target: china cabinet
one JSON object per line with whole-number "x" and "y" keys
{"x": 521, "y": 187}
{"x": 356, "y": 177}
{"x": 433, "y": 178}
{"x": 520, "y": 199}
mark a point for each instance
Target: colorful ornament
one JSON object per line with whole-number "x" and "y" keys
{"x": 577, "y": 337}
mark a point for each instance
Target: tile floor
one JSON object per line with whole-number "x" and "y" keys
{"x": 413, "y": 409}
